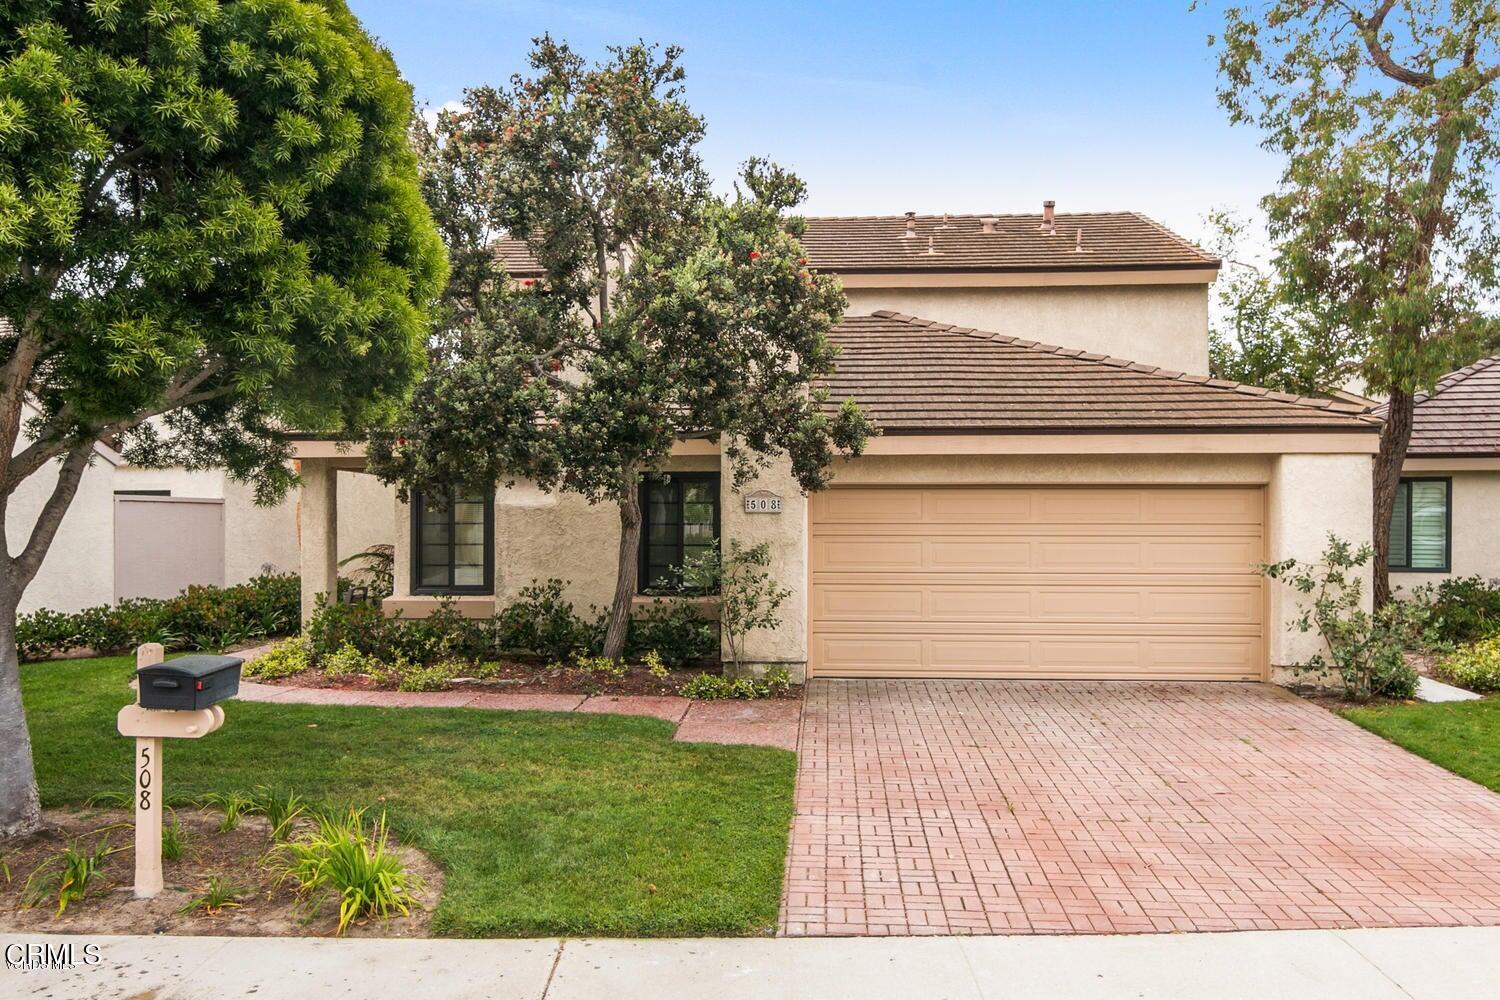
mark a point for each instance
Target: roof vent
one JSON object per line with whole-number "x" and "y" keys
{"x": 988, "y": 223}
{"x": 911, "y": 225}
{"x": 1078, "y": 246}
{"x": 1049, "y": 218}
{"x": 931, "y": 250}
{"x": 946, "y": 224}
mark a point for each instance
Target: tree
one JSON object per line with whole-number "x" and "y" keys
{"x": 210, "y": 231}
{"x": 664, "y": 312}
{"x": 1257, "y": 337}
{"x": 1385, "y": 216}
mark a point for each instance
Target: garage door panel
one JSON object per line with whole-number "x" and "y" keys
{"x": 1037, "y": 582}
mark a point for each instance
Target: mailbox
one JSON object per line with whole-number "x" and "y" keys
{"x": 189, "y": 683}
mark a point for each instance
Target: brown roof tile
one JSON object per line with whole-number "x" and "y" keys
{"x": 1111, "y": 241}
{"x": 914, "y": 376}
{"x": 1461, "y": 416}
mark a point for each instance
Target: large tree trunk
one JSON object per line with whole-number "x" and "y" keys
{"x": 627, "y": 575}
{"x": 20, "y": 805}
{"x": 1395, "y": 435}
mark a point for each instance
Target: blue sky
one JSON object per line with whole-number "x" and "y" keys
{"x": 889, "y": 107}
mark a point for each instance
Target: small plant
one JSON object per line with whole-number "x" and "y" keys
{"x": 346, "y": 661}
{"x": 600, "y": 668}
{"x": 280, "y": 809}
{"x": 282, "y": 660}
{"x": 219, "y": 894}
{"x": 376, "y": 568}
{"x": 235, "y": 805}
{"x": 67, "y": 875}
{"x": 1475, "y": 666}
{"x": 344, "y": 860}
{"x": 749, "y": 598}
{"x": 1366, "y": 649}
{"x": 777, "y": 683}
{"x": 173, "y": 840}
{"x": 654, "y": 666}
{"x": 431, "y": 678}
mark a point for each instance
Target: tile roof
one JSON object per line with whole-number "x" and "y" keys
{"x": 872, "y": 244}
{"x": 915, "y": 376}
{"x": 1085, "y": 241}
{"x": 1461, "y": 416}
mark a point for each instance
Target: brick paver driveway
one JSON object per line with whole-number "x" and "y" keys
{"x": 940, "y": 807}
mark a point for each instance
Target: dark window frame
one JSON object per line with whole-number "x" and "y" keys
{"x": 1405, "y": 567}
{"x": 418, "y": 506}
{"x": 643, "y": 583}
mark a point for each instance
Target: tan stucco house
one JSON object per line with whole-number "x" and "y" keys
{"x": 1447, "y": 517}
{"x": 1059, "y": 491}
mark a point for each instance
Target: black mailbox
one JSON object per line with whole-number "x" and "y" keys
{"x": 189, "y": 682}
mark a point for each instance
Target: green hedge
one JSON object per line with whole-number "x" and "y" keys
{"x": 1467, "y": 609}
{"x": 198, "y": 618}
{"x": 540, "y": 622}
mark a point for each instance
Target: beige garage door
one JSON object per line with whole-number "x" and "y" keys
{"x": 1149, "y": 583}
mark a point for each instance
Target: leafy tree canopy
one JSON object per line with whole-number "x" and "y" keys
{"x": 663, "y": 311}
{"x": 211, "y": 232}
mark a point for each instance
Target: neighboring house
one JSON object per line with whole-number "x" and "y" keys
{"x": 133, "y": 532}
{"x": 1447, "y": 517}
{"x": 1060, "y": 490}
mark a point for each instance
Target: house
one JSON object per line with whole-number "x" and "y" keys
{"x": 1059, "y": 491}
{"x": 1447, "y": 517}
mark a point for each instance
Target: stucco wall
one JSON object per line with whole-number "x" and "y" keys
{"x": 1476, "y": 528}
{"x": 1308, "y": 497}
{"x": 79, "y": 568}
{"x": 256, "y": 537}
{"x": 1164, "y": 325}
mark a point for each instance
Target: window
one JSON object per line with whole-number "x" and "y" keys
{"x": 680, "y": 520}
{"x": 452, "y": 544}
{"x": 1421, "y": 525}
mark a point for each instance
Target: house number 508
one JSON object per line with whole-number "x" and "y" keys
{"x": 144, "y": 778}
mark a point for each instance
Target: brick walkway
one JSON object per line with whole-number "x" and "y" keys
{"x": 1029, "y": 806}
{"x": 770, "y": 723}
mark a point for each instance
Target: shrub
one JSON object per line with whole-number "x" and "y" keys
{"x": 219, "y": 893}
{"x": 198, "y": 618}
{"x": 1467, "y": 609}
{"x": 707, "y": 687}
{"x": 675, "y": 631}
{"x": 749, "y": 598}
{"x": 653, "y": 665}
{"x": 282, "y": 660}
{"x": 1475, "y": 666}
{"x": 1367, "y": 650}
{"x": 346, "y": 661}
{"x": 343, "y": 860}
{"x": 541, "y": 620}
{"x": 430, "y": 678}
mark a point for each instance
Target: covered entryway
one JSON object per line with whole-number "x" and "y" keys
{"x": 1141, "y": 583}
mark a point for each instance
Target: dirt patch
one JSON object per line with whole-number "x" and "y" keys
{"x": 522, "y": 677}
{"x": 265, "y": 908}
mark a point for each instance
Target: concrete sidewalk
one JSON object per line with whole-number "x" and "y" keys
{"x": 1401, "y": 964}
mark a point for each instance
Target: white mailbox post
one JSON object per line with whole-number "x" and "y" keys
{"x": 150, "y": 726}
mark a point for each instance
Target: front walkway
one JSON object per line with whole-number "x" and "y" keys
{"x": 764, "y": 722}
{"x": 1445, "y": 964}
{"x": 948, "y": 807}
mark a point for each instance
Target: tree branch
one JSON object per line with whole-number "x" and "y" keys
{"x": 24, "y": 567}
{"x": 1369, "y": 30}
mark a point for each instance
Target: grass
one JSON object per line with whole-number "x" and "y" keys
{"x": 1462, "y": 736}
{"x": 543, "y": 823}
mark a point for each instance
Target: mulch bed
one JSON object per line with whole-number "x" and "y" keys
{"x": 110, "y": 906}
{"x": 528, "y": 678}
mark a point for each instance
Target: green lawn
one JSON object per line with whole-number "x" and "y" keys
{"x": 543, "y": 823}
{"x": 1463, "y": 736}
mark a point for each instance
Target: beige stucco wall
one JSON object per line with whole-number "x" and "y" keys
{"x": 1476, "y": 526}
{"x": 1308, "y": 497}
{"x": 538, "y": 535}
{"x": 79, "y": 568}
{"x": 1164, "y": 325}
